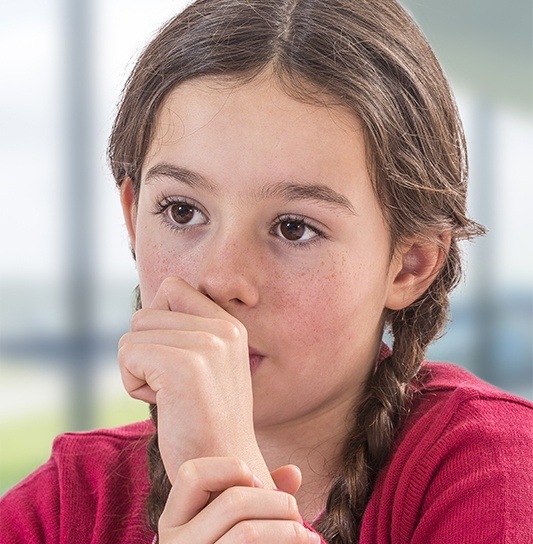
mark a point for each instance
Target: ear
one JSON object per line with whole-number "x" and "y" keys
{"x": 129, "y": 209}
{"x": 414, "y": 267}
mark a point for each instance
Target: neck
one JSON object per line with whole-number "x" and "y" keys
{"x": 315, "y": 446}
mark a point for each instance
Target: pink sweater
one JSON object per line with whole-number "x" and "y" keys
{"x": 462, "y": 472}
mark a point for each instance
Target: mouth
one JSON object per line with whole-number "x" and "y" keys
{"x": 255, "y": 358}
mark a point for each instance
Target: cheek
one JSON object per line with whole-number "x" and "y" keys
{"x": 152, "y": 268}
{"x": 338, "y": 299}
{"x": 306, "y": 297}
{"x": 156, "y": 262}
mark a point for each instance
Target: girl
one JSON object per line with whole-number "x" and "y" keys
{"x": 293, "y": 180}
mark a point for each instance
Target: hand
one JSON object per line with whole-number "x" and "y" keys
{"x": 190, "y": 357}
{"x": 218, "y": 500}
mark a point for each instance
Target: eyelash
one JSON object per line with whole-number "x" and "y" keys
{"x": 320, "y": 234}
{"x": 165, "y": 202}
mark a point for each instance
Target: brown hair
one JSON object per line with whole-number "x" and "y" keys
{"x": 370, "y": 57}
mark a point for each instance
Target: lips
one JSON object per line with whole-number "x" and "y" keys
{"x": 255, "y": 358}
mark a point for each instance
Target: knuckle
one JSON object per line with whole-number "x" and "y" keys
{"x": 291, "y": 505}
{"x": 137, "y": 320}
{"x": 231, "y": 330}
{"x": 124, "y": 339}
{"x": 240, "y": 330}
{"x": 187, "y": 472}
{"x": 246, "y": 533}
{"x": 169, "y": 285}
{"x": 237, "y": 501}
{"x": 240, "y": 467}
{"x": 162, "y": 525}
{"x": 168, "y": 282}
{"x": 209, "y": 340}
{"x": 124, "y": 353}
{"x": 298, "y": 532}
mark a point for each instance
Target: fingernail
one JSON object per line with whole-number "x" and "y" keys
{"x": 313, "y": 537}
{"x": 300, "y": 519}
{"x": 258, "y": 482}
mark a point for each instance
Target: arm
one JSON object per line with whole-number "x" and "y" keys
{"x": 29, "y": 513}
{"x": 190, "y": 357}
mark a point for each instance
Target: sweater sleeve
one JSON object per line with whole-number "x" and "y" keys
{"x": 29, "y": 513}
{"x": 476, "y": 482}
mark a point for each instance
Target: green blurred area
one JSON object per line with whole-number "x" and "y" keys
{"x": 26, "y": 442}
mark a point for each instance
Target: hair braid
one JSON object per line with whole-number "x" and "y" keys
{"x": 387, "y": 395}
{"x": 160, "y": 484}
{"x": 365, "y": 452}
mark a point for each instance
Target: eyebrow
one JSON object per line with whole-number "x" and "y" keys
{"x": 284, "y": 190}
{"x": 177, "y": 173}
{"x": 303, "y": 191}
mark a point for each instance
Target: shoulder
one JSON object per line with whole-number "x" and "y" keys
{"x": 111, "y": 463}
{"x": 457, "y": 416}
{"x": 119, "y": 440}
{"x": 96, "y": 453}
{"x": 91, "y": 480}
{"x": 92, "y": 450}
{"x": 30, "y": 512}
{"x": 462, "y": 464}
{"x": 454, "y": 398}
{"x": 447, "y": 377}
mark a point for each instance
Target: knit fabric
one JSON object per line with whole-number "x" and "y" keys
{"x": 461, "y": 472}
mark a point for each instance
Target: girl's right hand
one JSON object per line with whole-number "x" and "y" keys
{"x": 190, "y": 357}
{"x": 218, "y": 500}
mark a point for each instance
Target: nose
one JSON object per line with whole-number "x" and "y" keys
{"x": 228, "y": 273}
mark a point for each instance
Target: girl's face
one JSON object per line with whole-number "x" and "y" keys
{"x": 264, "y": 204}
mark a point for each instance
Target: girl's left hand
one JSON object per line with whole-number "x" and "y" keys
{"x": 241, "y": 511}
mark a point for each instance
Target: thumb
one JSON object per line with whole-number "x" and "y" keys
{"x": 287, "y": 478}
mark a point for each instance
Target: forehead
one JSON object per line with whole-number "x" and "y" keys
{"x": 262, "y": 103}
{"x": 229, "y": 130}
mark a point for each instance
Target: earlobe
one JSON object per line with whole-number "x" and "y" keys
{"x": 414, "y": 268}
{"x": 129, "y": 209}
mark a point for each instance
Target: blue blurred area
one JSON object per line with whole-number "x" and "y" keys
{"x": 66, "y": 272}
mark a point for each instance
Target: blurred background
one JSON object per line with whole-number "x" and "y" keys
{"x": 66, "y": 275}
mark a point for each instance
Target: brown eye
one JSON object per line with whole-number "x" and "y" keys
{"x": 296, "y": 229}
{"x": 292, "y": 230}
{"x": 181, "y": 213}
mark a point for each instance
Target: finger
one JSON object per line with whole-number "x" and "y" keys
{"x": 196, "y": 481}
{"x": 287, "y": 478}
{"x": 149, "y": 356}
{"x": 146, "y": 365}
{"x": 194, "y": 340}
{"x": 150, "y": 319}
{"x": 268, "y": 531}
{"x": 236, "y": 505}
{"x": 176, "y": 295}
